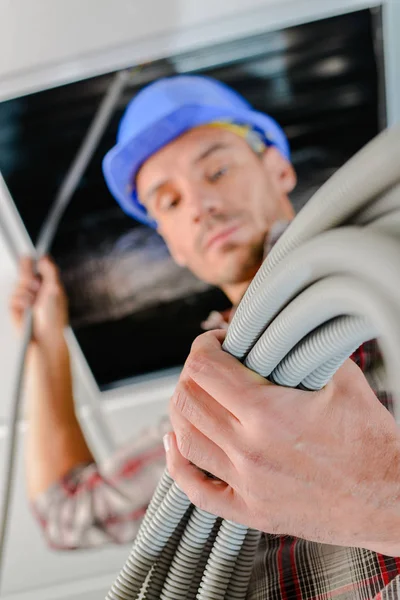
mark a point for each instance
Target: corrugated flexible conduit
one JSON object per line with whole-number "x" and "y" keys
{"x": 331, "y": 283}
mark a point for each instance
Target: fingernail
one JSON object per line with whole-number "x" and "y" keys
{"x": 167, "y": 442}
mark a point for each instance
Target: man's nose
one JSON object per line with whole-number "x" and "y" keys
{"x": 203, "y": 202}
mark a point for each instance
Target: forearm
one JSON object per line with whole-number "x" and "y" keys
{"x": 55, "y": 442}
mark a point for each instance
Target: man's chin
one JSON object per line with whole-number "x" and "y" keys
{"x": 236, "y": 273}
{"x": 231, "y": 265}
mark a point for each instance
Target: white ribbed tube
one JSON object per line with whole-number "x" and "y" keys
{"x": 331, "y": 283}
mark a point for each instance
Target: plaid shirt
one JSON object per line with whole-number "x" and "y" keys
{"x": 93, "y": 506}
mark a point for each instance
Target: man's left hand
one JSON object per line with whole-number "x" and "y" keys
{"x": 324, "y": 466}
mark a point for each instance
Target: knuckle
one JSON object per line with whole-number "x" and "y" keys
{"x": 185, "y": 443}
{"x": 195, "y": 496}
{"x": 198, "y": 342}
{"x": 248, "y": 459}
{"x": 181, "y": 399}
{"x": 257, "y": 459}
{"x": 197, "y": 360}
{"x": 204, "y": 343}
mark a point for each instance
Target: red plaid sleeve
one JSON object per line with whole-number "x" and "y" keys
{"x": 92, "y": 506}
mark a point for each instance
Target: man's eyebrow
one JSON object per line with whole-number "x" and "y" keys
{"x": 204, "y": 154}
{"x": 210, "y": 150}
{"x": 153, "y": 190}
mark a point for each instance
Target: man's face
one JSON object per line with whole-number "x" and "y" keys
{"x": 214, "y": 201}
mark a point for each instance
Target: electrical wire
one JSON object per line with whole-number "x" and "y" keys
{"x": 330, "y": 283}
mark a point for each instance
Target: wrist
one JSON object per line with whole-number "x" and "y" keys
{"x": 49, "y": 344}
{"x": 384, "y": 521}
{"x": 389, "y": 549}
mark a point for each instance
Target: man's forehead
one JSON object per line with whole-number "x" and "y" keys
{"x": 195, "y": 141}
{"x": 189, "y": 149}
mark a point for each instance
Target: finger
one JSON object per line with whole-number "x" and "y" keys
{"x": 22, "y": 300}
{"x": 26, "y": 267}
{"x": 30, "y": 287}
{"x": 31, "y": 284}
{"x": 48, "y": 271}
{"x": 205, "y": 413}
{"x": 17, "y": 312}
{"x": 211, "y": 495}
{"x": 199, "y": 450}
{"x": 222, "y": 376}
{"x": 18, "y": 306}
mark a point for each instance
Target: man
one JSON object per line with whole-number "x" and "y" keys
{"x": 317, "y": 471}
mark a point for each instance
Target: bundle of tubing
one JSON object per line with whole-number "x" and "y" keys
{"x": 45, "y": 239}
{"x": 331, "y": 283}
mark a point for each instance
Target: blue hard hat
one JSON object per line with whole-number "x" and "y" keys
{"x": 160, "y": 113}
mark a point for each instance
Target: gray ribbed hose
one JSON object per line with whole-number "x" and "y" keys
{"x": 331, "y": 283}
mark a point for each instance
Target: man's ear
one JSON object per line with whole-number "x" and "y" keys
{"x": 280, "y": 169}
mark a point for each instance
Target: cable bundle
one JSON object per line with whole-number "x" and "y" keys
{"x": 331, "y": 283}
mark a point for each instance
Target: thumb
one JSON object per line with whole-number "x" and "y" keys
{"x": 48, "y": 270}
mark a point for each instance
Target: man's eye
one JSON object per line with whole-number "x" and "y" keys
{"x": 217, "y": 174}
{"x": 169, "y": 203}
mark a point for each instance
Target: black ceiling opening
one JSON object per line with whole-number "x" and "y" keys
{"x": 132, "y": 309}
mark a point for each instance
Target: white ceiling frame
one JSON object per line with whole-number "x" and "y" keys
{"x": 391, "y": 45}
{"x": 275, "y": 15}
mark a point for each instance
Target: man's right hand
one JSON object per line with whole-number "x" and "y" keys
{"x": 45, "y": 294}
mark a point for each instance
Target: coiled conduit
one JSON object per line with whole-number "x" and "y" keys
{"x": 331, "y": 283}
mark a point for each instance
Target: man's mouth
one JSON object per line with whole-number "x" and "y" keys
{"x": 217, "y": 238}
